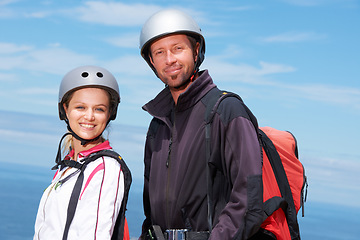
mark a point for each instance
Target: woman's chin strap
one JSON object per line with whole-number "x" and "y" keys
{"x": 82, "y": 140}
{"x": 58, "y": 155}
{"x": 71, "y": 132}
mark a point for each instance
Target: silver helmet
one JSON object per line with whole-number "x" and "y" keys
{"x": 88, "y": 76}
{"x": 168, "y": 22}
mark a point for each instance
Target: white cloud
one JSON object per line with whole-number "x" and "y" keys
{"x": 37, "y": 91}
{"x": 242, "y": 8}
{"x": 305, "y": 2}
{"x": 28, "y": 138}
{"x": 130, "y": 40}
{"x": 133, "y": 65}
{"x": 115, "y": 13}
{"x": 12, "y": 62}
{"x": 124, "y": 15}
{"x": 314, "y": 3}
{"x": 7, "y": 2}
{"x": 10, "y": 48}
{"x": 327, "y": 176}
{"x": 293, "y": 37}
{"x": 39, "y": 14}
{"x": 57, "y": 60}
{"x": 54, "y": 60}
{"x": 225, "y": 71}
{"x": 339, "y": 95}
{"x": 244, "y": 72}
{"x": 4, "y": 77}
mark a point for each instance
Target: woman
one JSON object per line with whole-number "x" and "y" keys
{"x": 88, "y": 194}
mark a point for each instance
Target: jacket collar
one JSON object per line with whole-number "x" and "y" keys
{"x": 101, "y": 146}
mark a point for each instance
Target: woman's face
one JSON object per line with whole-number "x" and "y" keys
{"x": 88, "y": 112}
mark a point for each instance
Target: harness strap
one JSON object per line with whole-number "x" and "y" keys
{"x": 70, "y": 163}
{"x": 73, "y": 202}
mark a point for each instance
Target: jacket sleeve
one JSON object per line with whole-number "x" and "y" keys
{"x": 146, "y": 201}
{"x": 237, "y": 148}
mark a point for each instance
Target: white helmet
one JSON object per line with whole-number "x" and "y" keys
{"x": 88, "y": 76}
{"x": 168, "y": 22}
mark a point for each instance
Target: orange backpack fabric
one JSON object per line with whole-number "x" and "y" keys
{"x": 286, "y": 147}
{"x": 126, "y": 231}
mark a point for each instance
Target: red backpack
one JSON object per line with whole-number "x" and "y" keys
{"x": 282, "y": 166}
{"x": 283, "y": 174}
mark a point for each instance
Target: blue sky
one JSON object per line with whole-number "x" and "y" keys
{"x": 296, "y": 63}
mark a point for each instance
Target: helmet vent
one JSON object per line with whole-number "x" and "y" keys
{"x": 99, "y": 74}
{"x": 85, "y": 74}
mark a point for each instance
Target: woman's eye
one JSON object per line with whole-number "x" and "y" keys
{"x": 100, "y": 109}
{"x": 79, "y": 107}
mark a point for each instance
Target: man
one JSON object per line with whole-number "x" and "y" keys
{"x": 175, "y": 185}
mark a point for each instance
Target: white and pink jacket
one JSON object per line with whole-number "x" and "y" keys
{"x": 98, "y": 205}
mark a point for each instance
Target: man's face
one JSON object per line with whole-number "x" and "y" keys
{"x": 173, "y": 58}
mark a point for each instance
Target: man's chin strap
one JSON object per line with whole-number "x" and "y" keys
{"x": 58, "y": 160}
{"x": 196, "y": 70}
{"x": 190, "y": 79}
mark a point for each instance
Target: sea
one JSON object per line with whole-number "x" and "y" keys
{"x": 21, "y": 187}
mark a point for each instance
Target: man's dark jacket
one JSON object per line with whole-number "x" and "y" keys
{"x": 175, "y": 186}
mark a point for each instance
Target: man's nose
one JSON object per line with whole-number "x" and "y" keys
{"x": 170, "y": 58}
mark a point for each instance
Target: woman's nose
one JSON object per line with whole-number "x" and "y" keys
{"x": 89, "y": 115}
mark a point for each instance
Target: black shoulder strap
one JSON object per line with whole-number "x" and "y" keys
{"x": 73, "y": 202}
{"x": 118, "y": 232}
{"x": 120, "y": 221}
{"x": 212, "y": 101}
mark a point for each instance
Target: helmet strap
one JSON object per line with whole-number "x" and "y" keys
{"x": 190, "y": 79}
{"x": 58, "y": 155}
{"x": 72, "y": 133}
{"x": 196, "y": 69}
{"x": 82, "y": 140}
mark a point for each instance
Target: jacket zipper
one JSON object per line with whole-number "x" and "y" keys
{"x": 168, "y": 176}
{"x": 169, "y": 153}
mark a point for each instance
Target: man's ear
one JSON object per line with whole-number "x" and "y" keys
{"x": 150, "y": 58}
{"x": 196, "y": 52}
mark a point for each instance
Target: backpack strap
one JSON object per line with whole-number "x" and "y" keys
{"x": 118, "y": 232}
{"x": 120, "y": 221}
{"x": 212, "y": 101}
{"x": 73, "y": 201}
